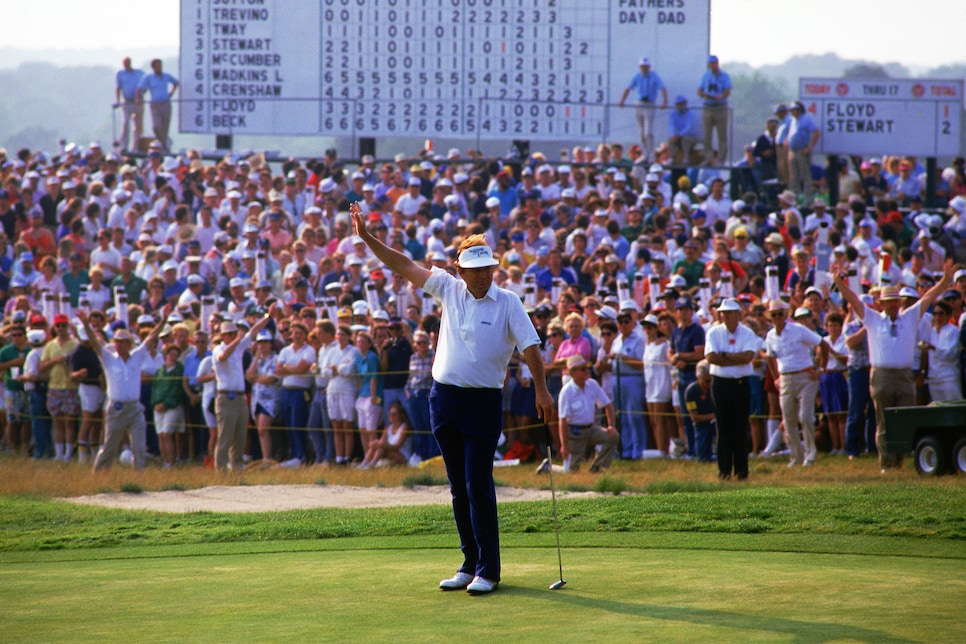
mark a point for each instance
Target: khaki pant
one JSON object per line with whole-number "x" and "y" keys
{"x": 132, "y": 112}
{"x": 645, "y": 124}
{"x": 797, "y": 394}
{"x": 681, "y": 149}
{"x": 800, "y": 175}
{"x": 579, "y": 438}
{"x": 890, "y": 388}
{"x": 715, "y": 118}
{"x": 121, "y": 419}
{"x": 161, "y": 121}
{"x": 232, "y": 417}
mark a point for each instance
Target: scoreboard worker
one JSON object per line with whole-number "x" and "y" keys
{"x": 481, "y": 324}
{"x": 646, "y": 84}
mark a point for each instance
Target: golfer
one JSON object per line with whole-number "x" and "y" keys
{"x": 481, "y": 324}
{"x": 122, "y": 372}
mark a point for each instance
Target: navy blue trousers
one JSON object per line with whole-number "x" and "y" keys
{"x": 467, "y": 423}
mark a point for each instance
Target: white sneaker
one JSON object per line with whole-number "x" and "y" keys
{"x": 481, "y": 586}
{"x": 292, "y": 463}
{"x": 544, "y": 466}
{"x": 459, "y": 581}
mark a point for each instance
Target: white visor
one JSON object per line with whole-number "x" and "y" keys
{"x": 477, "y": 257}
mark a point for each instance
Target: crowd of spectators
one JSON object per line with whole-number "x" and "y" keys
{"x": 616, "y": 262}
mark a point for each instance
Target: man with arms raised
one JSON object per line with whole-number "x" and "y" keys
{"x": 480, "y": 327}
{"x": 892, "y": 335}
{"x": 122, "y": 372}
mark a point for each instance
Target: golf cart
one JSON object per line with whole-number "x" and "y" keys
{"x": 936, "y": 434}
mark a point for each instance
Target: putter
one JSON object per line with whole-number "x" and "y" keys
{"x": 557, "y": 585}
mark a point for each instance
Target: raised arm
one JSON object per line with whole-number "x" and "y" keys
{"x": 152, "y": 340}
{"x": 396, "y": 261}
{"x": 938, "y": 288}
{"x": 95, "y": 341}
{"x": 838, "y": 276}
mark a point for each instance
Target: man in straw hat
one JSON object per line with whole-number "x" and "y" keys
{"x": 892, "y": 334}
{"x": 480, "y": 327}
{"x": 122, "y": 372}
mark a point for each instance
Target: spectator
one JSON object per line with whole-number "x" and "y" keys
{"x": 162, "y": 87}
{"x": 646, "y": 85}
{"x": 790, "y": 348}
{"x": 892, "y": 337}
{"x": 683, "y": 132}
{"x": 715, "y": 88}
{"x": 657, "y": 382}
{"x": 700, "y": 406}
{"x": 127, "y": 82}
{"x": 803, "y": 135}
{"x": 395, "y": 444}
{"x": 577, "y": 426}
{"x": 265, "y": 391}
{"x": 686, "y": 350}
{"x": 167, "y": 399}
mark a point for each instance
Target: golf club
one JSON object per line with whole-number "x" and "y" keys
{"x": 557, "y": 585}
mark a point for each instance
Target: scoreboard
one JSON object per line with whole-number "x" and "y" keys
{"x": 917, "y": 117}
{"x": 534, "y": 69}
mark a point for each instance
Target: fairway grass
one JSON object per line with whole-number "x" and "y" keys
{"x": 831, "y": 554}
{"x": 387, "y": 592}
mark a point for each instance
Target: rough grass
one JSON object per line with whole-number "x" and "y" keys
{"x": 19, "y": 476}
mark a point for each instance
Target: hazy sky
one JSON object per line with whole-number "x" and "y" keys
{"x": 918, "y": 34}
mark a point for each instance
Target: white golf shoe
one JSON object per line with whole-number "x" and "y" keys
{"x": 459, "y": 581}
{"x": 481, "y": 586}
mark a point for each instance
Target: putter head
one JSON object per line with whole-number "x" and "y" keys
{"x": 557, "y": 585}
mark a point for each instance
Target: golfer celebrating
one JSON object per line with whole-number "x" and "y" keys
{"x": 481, "y": 324}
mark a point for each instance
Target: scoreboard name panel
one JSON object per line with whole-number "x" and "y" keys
{"x": 918, "y": 117}
{"x": 537, "y": 69}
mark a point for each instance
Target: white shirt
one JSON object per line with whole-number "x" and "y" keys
{"x": 892, "y": 345}
{"x": 719, "y": 340}
{"x": 944, "y": 357}
{"x": 109, "y": 257}
{"x": 324, "y": 375}
{"x": 31, "y": 367}
{"x": 578, "y": 404}
{"x": 716, "y": 209}
{"x": 229, "y": 374}
{"x": 123, "y": 378}
{"x": 291, "y": 357}
{"x": 477, "y": 337}
{"x": 408, "y": 205}
{"x": 793, "y": 348}
{"x": 839, "y": 346}
{"x": 337, "y": 357}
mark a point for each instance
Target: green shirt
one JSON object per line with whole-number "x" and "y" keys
{"x": 692, "y": 272}
{"x": 73, "y": 285}
{"x": 8, "y": 353}
{"x": 134, "y": 287}
{"x": 166, "y": 388}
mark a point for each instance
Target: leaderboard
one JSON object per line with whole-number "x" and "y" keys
{"x": 535, "y": 69}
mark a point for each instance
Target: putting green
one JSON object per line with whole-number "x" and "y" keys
{"x": 385, "y": 590}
